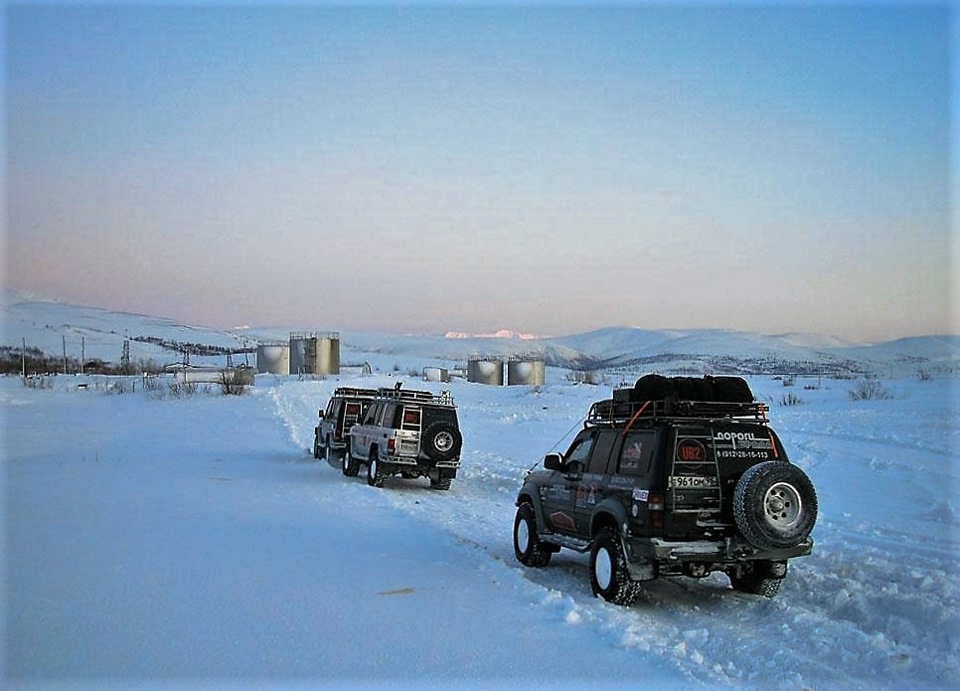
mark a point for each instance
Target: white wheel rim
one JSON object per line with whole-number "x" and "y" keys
{"x": 443, "y": 441}
{"x": 782, "y": 506}
{"x": 603, "y": 568}
{"x": 523, "y": 536}
{"x": 373, "y": 468}
{"x": 346, "y": 461}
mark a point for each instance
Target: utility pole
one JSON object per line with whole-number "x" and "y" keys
{"x": 64, "y": 338}
{"x": 23, "y": 360}
{"x": 83, "y": 355}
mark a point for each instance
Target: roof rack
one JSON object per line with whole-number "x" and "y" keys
{"x": 444, "y": 398}
{"x": 354, "y": 391}
{"x": 614, "y": 413}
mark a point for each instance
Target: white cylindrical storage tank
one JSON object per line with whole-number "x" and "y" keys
{"x": 327, "y": 353}
{"x": 439, "y": 374}
{"x": 273, "y": 358}
{"x": 526, "y": 372}
{"x": 485, "y": 371}
{"x": 298, "y": 352}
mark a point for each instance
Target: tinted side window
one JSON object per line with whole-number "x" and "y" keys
{"x": 637, "y": 453}
{"x": 580, "y": 449}
{"x": 372, "y": 413}
{"x": 431, "y": 415}
{"x": 389, "y": 415}
{"x": 601, "y": 451}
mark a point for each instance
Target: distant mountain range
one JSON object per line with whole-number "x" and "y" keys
{"x": 54, "y": 326}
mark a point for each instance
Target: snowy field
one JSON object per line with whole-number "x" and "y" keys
{"x": 195, "y": 542}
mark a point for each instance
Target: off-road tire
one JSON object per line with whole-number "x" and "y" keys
{"x": 375, "y": 473}
{"x": 316, "y": 445}
{"x": 526, "y": 543}
{"x": 609, "y": 577}
{"x": 442, "y": 483}
{"x": 349, "y": 464}
{"x": 441, "y": 441}
{"x": 755, "y": 577}
{"x": 774, "y": 505}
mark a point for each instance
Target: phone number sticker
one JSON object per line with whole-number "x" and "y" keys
{"x": 743, "y": 454}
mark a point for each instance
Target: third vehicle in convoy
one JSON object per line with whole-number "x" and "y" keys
{"x": 346, "y": 408}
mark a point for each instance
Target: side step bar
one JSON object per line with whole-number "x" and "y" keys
{"x": 574, "y": 543}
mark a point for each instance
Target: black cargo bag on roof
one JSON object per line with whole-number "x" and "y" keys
{"x": 731, "y": 389}
{"x": 655, "y": 387}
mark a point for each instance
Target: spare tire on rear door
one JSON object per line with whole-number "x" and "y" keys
{"x": 775, "y": 505}
{"x": 442, "y": 441}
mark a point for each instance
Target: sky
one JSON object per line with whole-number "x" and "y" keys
{"x": 767, "y": 167}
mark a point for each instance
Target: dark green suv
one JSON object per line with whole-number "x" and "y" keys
{"x": 673, "y": 477}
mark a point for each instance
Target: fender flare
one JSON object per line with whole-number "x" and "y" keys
{"x": 530, "y": 495}
{"x": 608, "y": 512}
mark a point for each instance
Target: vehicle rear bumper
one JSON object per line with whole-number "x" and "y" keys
{"x": 422, "y": 462}
{"x": 730, "y": 550}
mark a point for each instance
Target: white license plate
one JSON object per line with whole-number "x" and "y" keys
{"x": 692, "y": 482}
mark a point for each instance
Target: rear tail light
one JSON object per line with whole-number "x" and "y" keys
{"x": 655, "y": 506}
{"x": 391, "y": 447}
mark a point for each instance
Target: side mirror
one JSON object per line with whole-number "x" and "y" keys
{"x": 321, "y": 414}
{"x": 553, "y": 461}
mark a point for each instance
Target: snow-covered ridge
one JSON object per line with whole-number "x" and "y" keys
{"x": 501, "y": 333}
{"x": 51, "y": 326}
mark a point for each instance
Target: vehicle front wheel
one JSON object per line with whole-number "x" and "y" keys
{"x": 526, "y": 542}
{"x": 317, "y": 453}
{"x": 608, "y": 570}
{"x": 349, "y": 465}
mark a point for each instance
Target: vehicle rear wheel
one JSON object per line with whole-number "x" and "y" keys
{"x": 526, "y": 542}
{"x": 774, "y": 505}
{"x": 349, "y": 465}
{"x": 317, "y": 452}
{"x": 757, "y": 578}
{"x": 442, "y": 483}
{"x": 609, "y": 577}
{"x": 374, "y": 471}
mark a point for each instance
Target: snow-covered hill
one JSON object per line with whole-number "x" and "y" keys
{"x": 51, "y": 326}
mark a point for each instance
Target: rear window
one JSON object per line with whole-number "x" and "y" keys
{"x": 431, "y": 415}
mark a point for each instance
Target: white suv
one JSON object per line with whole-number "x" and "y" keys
{"x": 408, "y": 433}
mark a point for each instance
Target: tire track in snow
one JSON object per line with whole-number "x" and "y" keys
{"x": 843, "y": 616}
